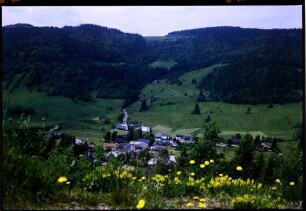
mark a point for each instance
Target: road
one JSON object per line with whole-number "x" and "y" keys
{"x": 125, "y": 117}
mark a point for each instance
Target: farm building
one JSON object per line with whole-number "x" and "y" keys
{"x": 184, "y": 138}
{"x": 122, "y": 126}
{"x": 145, "y": 129}
{"x": 133, "y": 123}
{"x": 162, "y": 135}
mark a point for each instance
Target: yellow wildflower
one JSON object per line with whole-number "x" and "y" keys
{"x": 238, "y": 168}
{"x": 189, "y": 204}
{"x": 211, "y": 161}
{"x": 177, "y": 180}
{"x": 202, "y": 166}
{"x": 202, "y": 200}
{"x": 143, "y": 178}
{"x": 202, "y": 205}
{"x": 206, "y": 163}
{"x": 220, "y": 175}
{"x": 292, "y": 183}
{"x": 192, "y": 162}
{"x": 141, "y": 204}
{"x": 192, "y": 174}
{"x": 277, "y": 181}
{"x": 178, "y": 173}
{"x": 259, "y": 185}
{"x": 195, "y": 197}
{"x": 62, "y": 179}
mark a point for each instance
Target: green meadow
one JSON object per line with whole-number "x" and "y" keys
{"x": 80, "y": 119}
{"x": 172, "y": 104}
{"x": 277, "y": 121}
{"x": 169, "y": 111}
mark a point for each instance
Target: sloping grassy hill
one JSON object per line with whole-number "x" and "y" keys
{"x": 276, "y": 121}
{"x": 163, "y": 92}
{"x": 163, "y": 64}
{"x": 170, "y": 105}
{"x": 80, "y": 119}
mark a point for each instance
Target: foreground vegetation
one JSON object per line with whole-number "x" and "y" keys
{"x": 42, "y": 171}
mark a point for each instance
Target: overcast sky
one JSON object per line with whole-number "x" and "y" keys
{"x": 157, "y": 20}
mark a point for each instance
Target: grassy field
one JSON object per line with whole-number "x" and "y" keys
{"x": 169, "y": 112}
{"x": 80, "y": 119}
{"x": 173, "y": 105}
{"x": 164, "y": 92}
{"x": 276, "y": 121}
{"x": 163, "y": 64}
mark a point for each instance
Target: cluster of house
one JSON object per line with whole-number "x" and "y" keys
{"x": 263, "y": 146}
{"x": 121, "y": 146}
{"x": 134, "y": 124}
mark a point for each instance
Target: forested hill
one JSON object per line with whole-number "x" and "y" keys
{"x": 91, "y": 61}
{"x": 75, "y": 61}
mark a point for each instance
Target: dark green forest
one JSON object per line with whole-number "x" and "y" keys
{"x": 90, "y": 61}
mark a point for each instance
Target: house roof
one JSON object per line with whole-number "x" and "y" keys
{"x": 161, "y": 134}
{"x": 122, "y": 126}
{"x": 145, "y": 129}
{"x": 157, "y": 147}
{"x": 133, "y": 122}
{"x": 78, "y": 141}
{"x": 147, "y": 141}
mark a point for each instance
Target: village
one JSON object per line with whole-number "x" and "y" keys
{"x": 119, "y": 143}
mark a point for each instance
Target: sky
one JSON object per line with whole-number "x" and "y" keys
{"x": 156, "y": 20}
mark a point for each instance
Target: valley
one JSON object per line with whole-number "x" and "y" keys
{"x": 94, "y": 117}
{"x": 168, "y": 107}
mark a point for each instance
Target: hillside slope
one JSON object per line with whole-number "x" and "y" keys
{"x": 89, "y": 61}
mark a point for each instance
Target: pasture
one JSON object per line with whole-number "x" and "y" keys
{"x": 79, "y": 119}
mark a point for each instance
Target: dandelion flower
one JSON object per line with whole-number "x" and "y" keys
{"x": 62, "y": 179}
{"x": 202, "y": 166}
{"x": 202, "y": 200}
{"x": 195, "y": 197}
{"x": 178, "y": 173}
{"x": 292, "y": 183}
{"x": 206, "y": 163}
{"x": 141, "y": 204}
{"x": 192, "y": 162}
{"x": 277, "y": 181}
{"x": 238, "y": 168}
{"x": 211, "y": 161}
{"x": 202, "y": 205}
{"x": 189, "y": 204}
{"x": 220, "y": 175}
{"x": 192, "y": 174}
{"x": 143, "y": 178}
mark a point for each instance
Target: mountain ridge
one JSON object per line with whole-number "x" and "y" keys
{"x": 82, "y": 62}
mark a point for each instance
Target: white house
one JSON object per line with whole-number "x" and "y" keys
{"x": 145, "y": 129}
